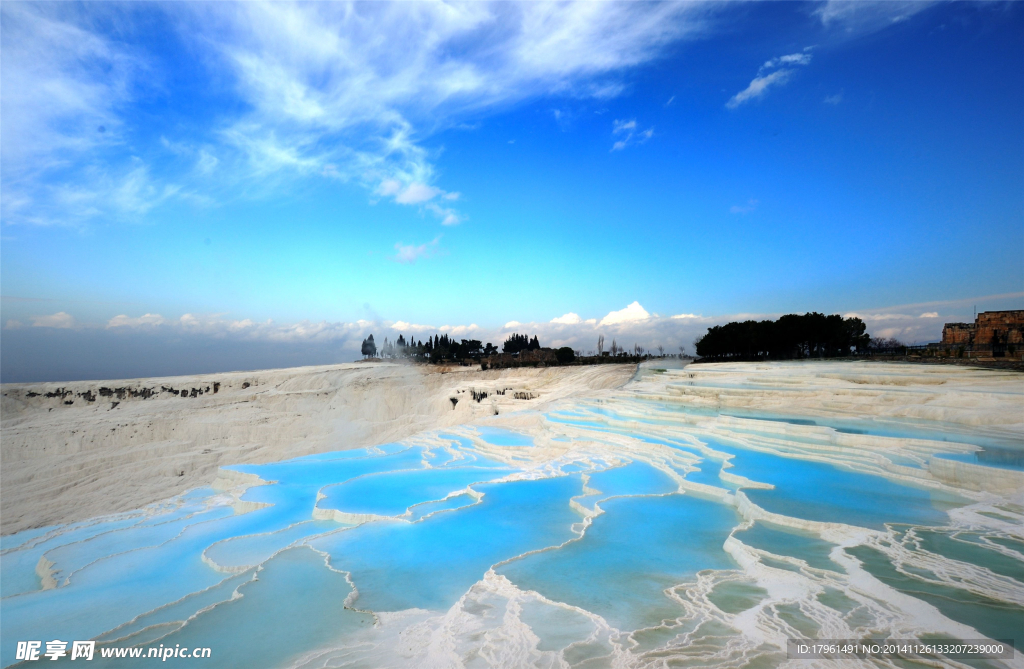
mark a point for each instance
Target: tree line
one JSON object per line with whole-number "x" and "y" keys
{"x": 444, "y": 348}
{"x": 811, "y": 335}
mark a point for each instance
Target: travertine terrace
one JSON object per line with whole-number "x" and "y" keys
{"x": 66, "y": 458}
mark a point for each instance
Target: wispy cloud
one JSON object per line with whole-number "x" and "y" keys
{"x": 315, "y": 91}
{"x": 747, "y": 208}
{"x": 409, "y": 254}
{"x": 773, "y": 73}
{"x": 833, "y": 99}
{"x": 790, "y": 60}
{"x": 758, "y": 87}
{"x": 864, "y": 16}
{"x": 66, "y": 88}
{"x": 326, "y": 84}
{"x": 629, "y": 133}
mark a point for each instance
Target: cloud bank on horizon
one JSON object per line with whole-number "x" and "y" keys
{"x": 633, "y": 323}
{"x": 152, "y": 345}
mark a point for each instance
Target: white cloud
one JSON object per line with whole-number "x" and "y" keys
{"x": 388, "y": 187}
{"x": 343, "y": 91}
{"x": 459, "y": 330}
{"x": 628, "y": 129}
{"x": 13, "y": 324}
{"x": 686, "y": 316}
{"x": 631, "y": 314}
{"x": 568, "y": 319}
{"x": 66, "y": 152}
{"x": 758, "y": 87}
{"x": 512, "y": 324}
{"x": 327, "y": 84}
{"x": 881, "y": 317}
{"x": 206, "y": 162}
{"x": 623, "y": 126}
{"x": 833, "y": 99}
{"x": 409, "y": 254}
{"x": 416, "y": 193}
{"x": 763, "y": 82}
{"x": 60, "y": 319}
{"x": 404, "y": 326}
{"x": 866, "y": 16}
{"x": 791, "y": 59}
{"x": 126, "y": 321}
{"x": 747, "y": 208}
{"x": 900, "y": 322}
{"x": 447, "y": 215}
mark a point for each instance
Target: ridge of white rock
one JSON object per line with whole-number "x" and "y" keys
{"x": 120, "y": 445}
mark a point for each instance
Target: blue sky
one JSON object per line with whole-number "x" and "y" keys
{"x": 306, "y": 174}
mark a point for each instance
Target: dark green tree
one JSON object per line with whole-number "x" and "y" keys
{"x": 369, "y": 348}
{"x": 811, "y": 335}
{"x": 517, "y": 342}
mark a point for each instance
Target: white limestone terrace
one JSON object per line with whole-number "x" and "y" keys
{"x": 66, "y": 458}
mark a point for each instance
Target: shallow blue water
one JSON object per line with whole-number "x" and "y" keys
{"x": 825, "y": 493}
{"x": 634, "y": 551}
{"x": 635, "y": 478}
{"x": 430, "y": 564}
{"x": 504, "y": 437}
{"x": 391, "y": 493}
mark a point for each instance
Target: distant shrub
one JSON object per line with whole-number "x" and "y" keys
{"x": 565, "y": 355}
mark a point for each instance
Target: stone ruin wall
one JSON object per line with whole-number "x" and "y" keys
{"x": 957, "y": 334}
{"x": 1008, "y": 325}
{"x": 991, "y": 330}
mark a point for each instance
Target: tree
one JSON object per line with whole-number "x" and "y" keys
{"x": 682, "y": 351}
{"x": 565, "y": 355}
{"x": 517, "y": 342}
{"x": 661, "y": 351}
{"x": 887, "y": 344}
{"x": 600, "y": 344}
{"x": 792, "y": 336}
{"x": 471, "y": 348}
{"x": 369, "y": 348}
